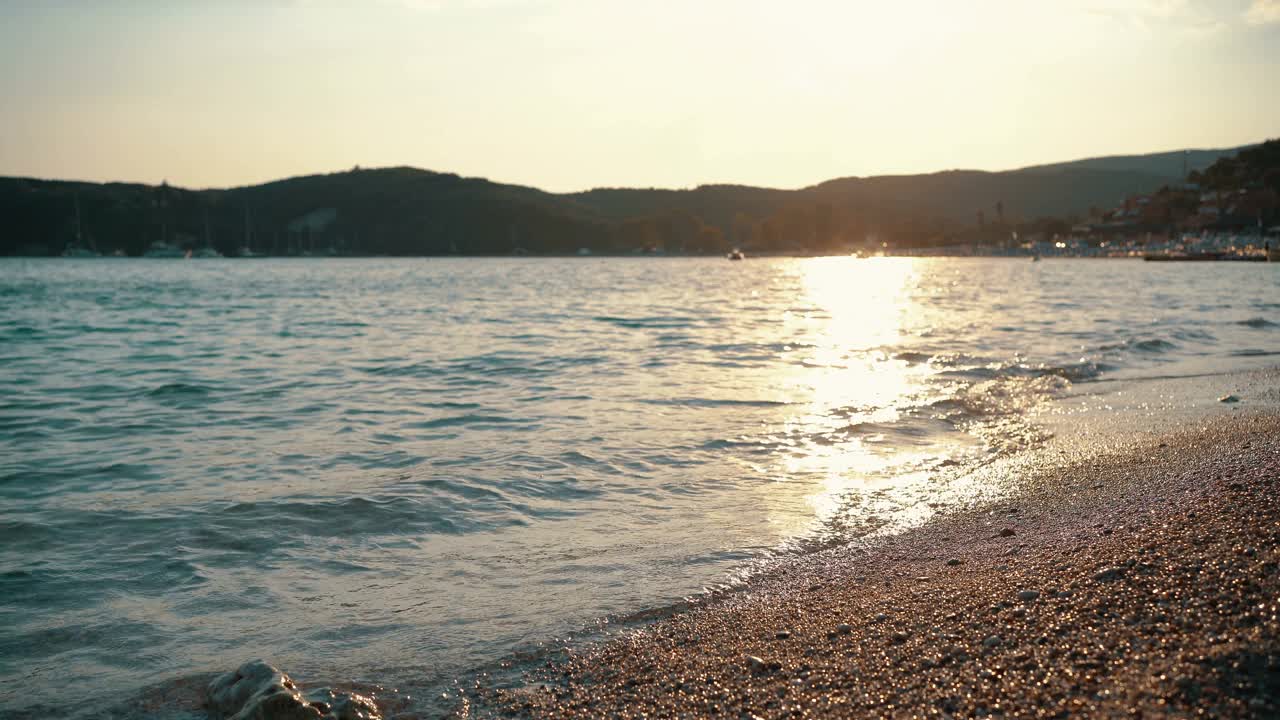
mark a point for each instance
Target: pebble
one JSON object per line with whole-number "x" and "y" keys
{"x": 953, "y": 562}
{"x": 991, "y": 641}
{"x": 844, "y": 629}
{"x": 1029, "y": 595}
{"x": 881, "y": 617}
{"x": 1108, "y": 574}
{"x": 1007, "y": 532}
{"x": 756, "y": 665}
{"x": 1228, "y": 399}
{"x": 782, "y": 634}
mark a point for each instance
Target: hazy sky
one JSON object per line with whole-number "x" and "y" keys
{"x": 572, "y": 94}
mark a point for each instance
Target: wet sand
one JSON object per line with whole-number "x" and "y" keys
{"x": 1132, "y": 581}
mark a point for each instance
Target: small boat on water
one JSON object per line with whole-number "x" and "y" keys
{"x": 162, "y": 249}
{"x": 736, "y": 254}
{"x": 206, "y": 250}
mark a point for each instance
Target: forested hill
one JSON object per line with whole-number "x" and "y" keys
{"x": 395, "y": 211}
{"x": 407, "y": 211}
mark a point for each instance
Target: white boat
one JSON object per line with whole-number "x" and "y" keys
{"x": 162, "y": 249}
{"x": 206, "y": 250}
{"x": 737, "y": 254}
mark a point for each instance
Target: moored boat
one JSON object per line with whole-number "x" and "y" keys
{"x": 162, "y": 249}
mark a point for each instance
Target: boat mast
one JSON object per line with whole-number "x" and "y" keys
{"x": 79, "y": 230}
{"x": 248, "y": 235}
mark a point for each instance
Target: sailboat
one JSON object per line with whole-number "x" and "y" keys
{"x": 207, "y": 250}
{"x": 77, "y": 248}
{"x": 246, "y": 250}
{"x": 162, "y": 248}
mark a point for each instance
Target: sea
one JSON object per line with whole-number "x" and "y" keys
{"x": 410, "y": 475}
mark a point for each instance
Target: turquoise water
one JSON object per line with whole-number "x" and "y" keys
{"x": 400, "y": 470}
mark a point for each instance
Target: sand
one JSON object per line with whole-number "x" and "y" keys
{"x": 1139, "y": 581}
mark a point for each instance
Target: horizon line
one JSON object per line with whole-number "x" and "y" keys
{"x": 652, "y": 188}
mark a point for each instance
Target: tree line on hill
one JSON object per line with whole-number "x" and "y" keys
{"x": 407, "y": 211}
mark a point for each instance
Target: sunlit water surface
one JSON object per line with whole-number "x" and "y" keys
{"x": 399, "y": 470}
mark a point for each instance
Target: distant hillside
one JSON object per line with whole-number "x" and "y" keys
{"x": 395, "y": 211}
{"x": 716, "y": 204}
{"x": 956, "y": 196}
{"x": 944, "y": 198}
{"x": 407, "y": 211}
{"x": 1168, "y": 165}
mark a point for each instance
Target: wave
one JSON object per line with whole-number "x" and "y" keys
{"x": 659, "y": 321}
{"x": 1152, "y": 346}
{"x": 469, "y": 419}
{"x": 1078, "y": 372}
{"x": 169, "y": 390}
{"x": 1001, "y": 396}
{"x": 1258, "y": 323}
{"x": 929, "y": 357}
{"x": 475, "y": 369}
{"x": 713, "y": 402}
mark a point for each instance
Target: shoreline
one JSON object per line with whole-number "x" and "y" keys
{"x": 1139, "y": 577}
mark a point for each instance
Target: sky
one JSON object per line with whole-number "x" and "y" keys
{"x": 567, "y": 95}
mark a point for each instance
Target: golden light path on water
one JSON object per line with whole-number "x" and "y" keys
{"x": 853, "y": 385}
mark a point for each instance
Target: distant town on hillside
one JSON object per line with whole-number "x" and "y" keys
{"x": 1101, "y": 205}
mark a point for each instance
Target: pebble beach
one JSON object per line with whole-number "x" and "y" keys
{"x": 1139, "y": 581}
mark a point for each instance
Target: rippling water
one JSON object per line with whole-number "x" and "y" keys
{"x": 396, "y": 470}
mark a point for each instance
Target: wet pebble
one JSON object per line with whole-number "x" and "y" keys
{"x": 1108, "y": 574}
